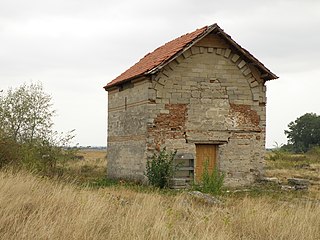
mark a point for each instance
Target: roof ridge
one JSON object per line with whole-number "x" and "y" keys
{"x": 155, "y": 60}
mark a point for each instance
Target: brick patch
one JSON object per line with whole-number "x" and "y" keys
{"x": 245, "y": 114}
{"x": 168, "y": 125}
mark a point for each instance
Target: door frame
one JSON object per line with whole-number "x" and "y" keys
{"x": 216, "y": 160}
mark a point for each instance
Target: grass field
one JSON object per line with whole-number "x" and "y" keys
{"x": 33, "y": 207}
{"x": 296, "y": 165}
{"x": 90, "y": 165}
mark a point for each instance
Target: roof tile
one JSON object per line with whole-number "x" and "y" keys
{"x": 169, "y": 50}
{"x": 158, "y": 56}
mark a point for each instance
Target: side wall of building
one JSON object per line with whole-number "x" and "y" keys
{"x": 127, "y": 121}
{"x": 211, "y": 95}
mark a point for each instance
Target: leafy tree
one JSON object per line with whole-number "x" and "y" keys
{"x": 26, "y": 113}
{"x": 27, "y": 137}
{"x": 9, "y": 150}
{"x": 304, "y": 132}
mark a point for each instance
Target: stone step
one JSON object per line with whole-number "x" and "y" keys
{"x": 298, "y": 182}
{"x": 185, "y": 169}
{"x": 178, "y": 182}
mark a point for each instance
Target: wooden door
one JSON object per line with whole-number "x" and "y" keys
{"x": 204, "y": 152}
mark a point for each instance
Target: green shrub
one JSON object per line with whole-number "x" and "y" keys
{"x": 27, "y": 138}
{"x": 38, "y": 156}
{"x": 42, "y": 158}
{"x": 314, "y": 154}
{"x": 9, "y": 151}
{"x": 160, "y": 168}
{"x": 279, "y": 153}
{"x": 211, "y": 182}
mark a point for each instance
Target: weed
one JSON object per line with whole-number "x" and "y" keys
{"x": 211, "y": 182}
{"x": 160, "y": 168}
{"x": 102, "y": 182}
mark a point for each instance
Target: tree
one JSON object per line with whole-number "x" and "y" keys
{"x": 26, "y": 113}
{"x": 304, "y": 132}
{"x": 27, "y": 137}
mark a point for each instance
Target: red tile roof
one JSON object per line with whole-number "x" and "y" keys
{"x": 168, "y": 51}
{"x": 158, "y": 56}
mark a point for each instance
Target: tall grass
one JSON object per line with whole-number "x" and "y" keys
{"x": 39, "y": 208}
{"x": 211, "y": 181}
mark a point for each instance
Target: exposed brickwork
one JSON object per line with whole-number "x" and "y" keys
{"x": 245, "y": 116}
{"x": 210, "y": 94}
{"x": 223, "y": 105}
{"x": 169, "y": 124}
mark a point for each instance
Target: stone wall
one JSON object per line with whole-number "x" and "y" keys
{"x": 127, "y": 120}
{"x": 210, "y": 94}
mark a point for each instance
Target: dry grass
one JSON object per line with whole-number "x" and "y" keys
{"x": 41, "y": 208}
{"x": 296, "y": 165}
{"x": 90, "y": 165}
{"x": 34, "y": 208}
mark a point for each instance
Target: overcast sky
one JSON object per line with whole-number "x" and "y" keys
{"x": 75, "y": 47}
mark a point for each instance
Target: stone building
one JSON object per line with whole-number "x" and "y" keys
{"x": 201, "y": 94}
